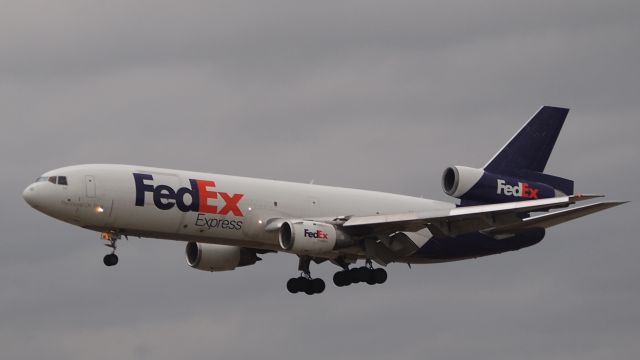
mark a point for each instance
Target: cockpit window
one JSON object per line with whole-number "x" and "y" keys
{"x": 60, "y": 180}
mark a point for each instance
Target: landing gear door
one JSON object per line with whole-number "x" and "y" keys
{"x": 90, "y": 184}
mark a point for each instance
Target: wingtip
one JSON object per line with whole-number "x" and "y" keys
{"x": 616, "y": 203}
{"x": 611, "y": 204}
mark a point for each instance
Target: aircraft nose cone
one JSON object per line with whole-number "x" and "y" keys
{"x": 29, "y": 195}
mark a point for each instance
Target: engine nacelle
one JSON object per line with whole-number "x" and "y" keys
{"x": 458, "y": 180}
{"x": 479, "y": 186}
{"x": 213, "y": 257}
{"x": 308, "y": 237}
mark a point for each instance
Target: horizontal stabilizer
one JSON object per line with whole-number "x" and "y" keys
{"x": 555, "y": 218}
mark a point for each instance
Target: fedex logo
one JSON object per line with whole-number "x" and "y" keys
{"x": 318, "y": 234}
{"x": 521, "y": 190}
{"x": 197, "y": 196}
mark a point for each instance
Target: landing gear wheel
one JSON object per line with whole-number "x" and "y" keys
{"x": 371, "y": 280}
{"x": 379, "y": 276}
{"x": 305, "y": 285}
{"x": 293, "y": 285}
{"x": 308, "y": 287}
{"x": 317, "y": 285}
{"x": 354, "y": 275}
{"x": 342, "y": 278}
{"x": 361, "y": 274}
{"x": 110, "y": 259}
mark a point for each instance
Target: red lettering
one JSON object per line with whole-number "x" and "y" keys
{"x": 231, "y": 204}
{"x": 205, "y": 195}
{"x": 529, "y": 192}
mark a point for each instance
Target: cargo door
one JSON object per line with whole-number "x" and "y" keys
{"x": 90, "y": 184}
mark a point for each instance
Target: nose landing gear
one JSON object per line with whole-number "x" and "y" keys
{"x": 110, "y": 259}
{"x": 111, "y": 238}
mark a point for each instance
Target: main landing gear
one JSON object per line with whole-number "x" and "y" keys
{"x": 304, "y": 283}
{"x": 362, "y": 274}
{"x": 308, "y": 285}
{"x": 112, "y": 238}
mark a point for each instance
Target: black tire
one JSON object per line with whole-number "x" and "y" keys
{"x": 306, "y": 286}
{"x": 110, "y": 259}
{"x": 317, "y": 286}
{"x": 380, "y": 275}
{"x": 344, "y": 278}
{"x": 371, "y": 278}
{"x": 348, "y": 278}
{"x": 339, "y": 279}
{"x": 354, "y": 275}
{"x": 292, "y": 285}
{"x": 363, "y": 274}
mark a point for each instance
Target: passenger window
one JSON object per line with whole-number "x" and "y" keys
{"x": 62, "y": 180}
{"x": 52, "y": 179}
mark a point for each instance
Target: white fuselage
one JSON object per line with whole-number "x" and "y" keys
{"x": 228, "y": 210}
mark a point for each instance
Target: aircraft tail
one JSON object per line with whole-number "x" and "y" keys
{"x": 527, "y": 153}
{"x": 530, "y": 147}
{"x": 516, "y": 172}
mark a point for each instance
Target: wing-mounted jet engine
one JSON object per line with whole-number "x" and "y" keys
{"x": 214, "y": 257}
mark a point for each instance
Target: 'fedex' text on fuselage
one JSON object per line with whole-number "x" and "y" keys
{"x": 165, "y": 197}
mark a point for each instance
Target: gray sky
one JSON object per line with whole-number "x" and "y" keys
{"x": 367, "y": 94}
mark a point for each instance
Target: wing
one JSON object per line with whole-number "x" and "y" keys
{"x": 498, "y": 219}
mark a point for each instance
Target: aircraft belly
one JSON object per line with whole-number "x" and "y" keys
{"x": 473, "y": 245}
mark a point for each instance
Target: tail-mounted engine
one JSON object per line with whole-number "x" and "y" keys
{"x": 477, "y": 186}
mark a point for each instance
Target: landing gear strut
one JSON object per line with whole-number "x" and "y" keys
{"x": 362, "y": 274}
{"x": 112, "y": 238}
{"x": 305, "y": 283}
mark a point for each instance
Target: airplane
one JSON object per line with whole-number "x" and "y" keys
{"x": 228, "y": 221}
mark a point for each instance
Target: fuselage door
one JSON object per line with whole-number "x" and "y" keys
{"x": 90, "y": 183}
